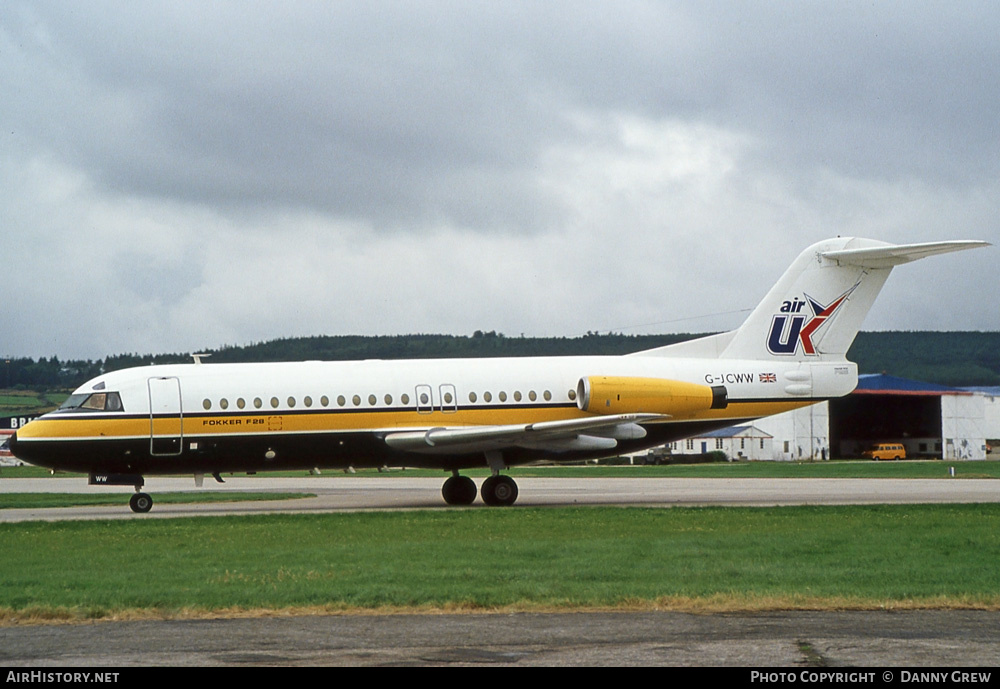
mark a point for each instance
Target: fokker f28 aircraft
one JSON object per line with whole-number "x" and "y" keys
{"x": 455, "y": 414}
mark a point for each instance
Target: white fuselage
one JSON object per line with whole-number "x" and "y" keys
{"x": 221, "y": 417}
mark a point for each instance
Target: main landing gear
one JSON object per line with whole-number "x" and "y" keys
{"x": 497, "y": 490}
{"x": 459, "y": 490}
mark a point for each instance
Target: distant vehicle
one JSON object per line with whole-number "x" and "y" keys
{"x": 885, "y": 451}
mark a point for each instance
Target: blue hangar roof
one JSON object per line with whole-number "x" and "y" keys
{"x": 882, "y": 384}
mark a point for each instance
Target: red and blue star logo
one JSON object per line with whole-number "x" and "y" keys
{"x": 791, "y": 329}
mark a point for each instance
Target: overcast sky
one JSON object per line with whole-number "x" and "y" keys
{"x": 176, "y": 176}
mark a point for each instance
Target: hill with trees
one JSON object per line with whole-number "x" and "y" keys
{"x": 947, "y": 358}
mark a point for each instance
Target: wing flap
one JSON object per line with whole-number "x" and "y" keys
{"x": 592, "y": 433}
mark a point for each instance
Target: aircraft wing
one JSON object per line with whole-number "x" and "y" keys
{"x": 592, "y": 433}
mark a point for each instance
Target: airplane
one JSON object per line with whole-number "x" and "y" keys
{"x": 455, "y": 414}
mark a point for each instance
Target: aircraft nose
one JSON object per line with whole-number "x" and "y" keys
{"x": 18, "y": 449}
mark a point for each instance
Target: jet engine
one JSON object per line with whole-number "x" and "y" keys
{"x": 628, "y": 395}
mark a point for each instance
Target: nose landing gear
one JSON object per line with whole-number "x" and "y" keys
{"x": 140, "y": 502}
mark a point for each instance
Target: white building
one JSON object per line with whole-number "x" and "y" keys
{"x": 738, "y": 442}
{"x": 990, "y": 399}
{"x": 800, "y": 434}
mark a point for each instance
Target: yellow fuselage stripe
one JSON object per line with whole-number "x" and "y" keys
{"x": 332, "y": 421}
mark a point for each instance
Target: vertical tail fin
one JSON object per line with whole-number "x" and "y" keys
{"x": 815, "y": 310}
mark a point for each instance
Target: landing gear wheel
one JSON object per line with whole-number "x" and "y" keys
{"x": 499, "y": 491}
{"x": 140, "y": 502}
{"x": 459, "y": 490}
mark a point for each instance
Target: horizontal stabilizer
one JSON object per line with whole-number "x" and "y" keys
{"x": 888, "y": 256}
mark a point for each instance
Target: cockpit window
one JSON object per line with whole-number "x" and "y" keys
{"x": 73, "y": 402}
{"x": 98, "y": 401}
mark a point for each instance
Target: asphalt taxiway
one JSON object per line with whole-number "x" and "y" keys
{"x": 351, "y": 493}
{"x": 774, "y": 639}
{"x": 819, "y": 640}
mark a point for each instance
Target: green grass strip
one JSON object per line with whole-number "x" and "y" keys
{"x": 42, "y": 500}
{"x": 521, "y": 558}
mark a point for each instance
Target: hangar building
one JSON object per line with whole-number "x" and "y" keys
{"x": 931, "y": 421}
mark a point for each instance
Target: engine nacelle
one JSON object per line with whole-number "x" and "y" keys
{"x": 628, "y": 395}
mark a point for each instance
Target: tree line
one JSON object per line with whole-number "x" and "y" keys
{"x": 947, "y": 358}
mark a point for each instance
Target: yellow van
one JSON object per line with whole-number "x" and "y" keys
{"x": 885, "y": 451}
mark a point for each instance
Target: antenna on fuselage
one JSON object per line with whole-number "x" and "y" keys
{"x": 198, "y": 357}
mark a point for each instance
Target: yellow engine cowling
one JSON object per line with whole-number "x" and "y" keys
{"x": 627, "y": 395}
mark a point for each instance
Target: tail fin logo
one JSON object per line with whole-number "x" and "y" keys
{"x": 789, "y": 329}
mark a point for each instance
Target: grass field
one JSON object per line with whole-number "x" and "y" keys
{"x": 710, "y": 559}
{"x": 922, "y": 556}
{"x": 15, "y": 402}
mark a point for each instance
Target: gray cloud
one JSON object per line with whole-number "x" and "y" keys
{"x": 541, "y": 168}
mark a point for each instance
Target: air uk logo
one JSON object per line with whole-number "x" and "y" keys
{"x": 792, "y": 328}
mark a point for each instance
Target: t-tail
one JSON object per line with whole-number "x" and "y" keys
{"x": 815, "y": 310}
